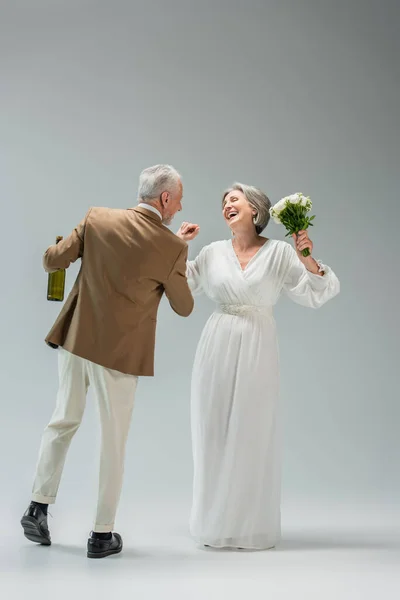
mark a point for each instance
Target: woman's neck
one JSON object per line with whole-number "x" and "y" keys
{"x": 243, "y": 240}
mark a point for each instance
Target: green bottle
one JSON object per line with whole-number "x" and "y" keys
{"x": 56, "y": 283}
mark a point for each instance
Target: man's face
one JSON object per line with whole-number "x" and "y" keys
{"x": 171, "y": 203}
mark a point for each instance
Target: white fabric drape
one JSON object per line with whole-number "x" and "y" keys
{"x": 235, "y": 389}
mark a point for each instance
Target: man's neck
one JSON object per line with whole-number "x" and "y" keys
{"x": 151, "y": 207}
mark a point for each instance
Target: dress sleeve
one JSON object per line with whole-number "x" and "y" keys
{"x": 195, "y": 274}
{"x": 306, "y": 288}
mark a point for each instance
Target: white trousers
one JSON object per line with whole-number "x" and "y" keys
{"x": 115, "y": 394}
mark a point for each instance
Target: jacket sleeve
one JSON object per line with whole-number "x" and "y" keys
{"x": 67, "y": 251}
{"x": 177, "y": 288}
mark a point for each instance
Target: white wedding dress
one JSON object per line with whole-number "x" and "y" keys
{"x": 235, "y": 389}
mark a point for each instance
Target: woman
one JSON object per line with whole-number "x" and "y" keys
{"x": 235, "y": 381}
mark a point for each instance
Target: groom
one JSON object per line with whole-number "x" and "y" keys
{"x": 105, "y": 335}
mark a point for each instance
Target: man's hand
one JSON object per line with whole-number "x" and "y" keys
{"x": 188, "y": 231}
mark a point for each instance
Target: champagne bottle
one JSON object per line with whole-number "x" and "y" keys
{"x": 56, "y": 282}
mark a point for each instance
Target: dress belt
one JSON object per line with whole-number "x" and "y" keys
{"x": 245, "y": 310}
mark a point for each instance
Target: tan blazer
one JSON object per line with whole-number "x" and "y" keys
{"x": 129, "y": 259}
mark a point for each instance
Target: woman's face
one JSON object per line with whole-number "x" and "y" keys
{"x": 236, "y": 211}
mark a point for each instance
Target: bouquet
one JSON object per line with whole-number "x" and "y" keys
{"x": 292, "y": 211}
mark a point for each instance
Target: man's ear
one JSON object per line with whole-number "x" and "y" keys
{"x": 164, "y": 198}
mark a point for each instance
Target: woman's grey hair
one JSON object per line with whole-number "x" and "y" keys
{"x": 257, "y": 200}
{"x": 153, "y": 181}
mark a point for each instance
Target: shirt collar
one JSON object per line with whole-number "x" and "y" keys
{"x": 150, "y": 207}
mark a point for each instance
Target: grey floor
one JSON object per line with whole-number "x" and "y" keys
{"x": 327, "y": 552}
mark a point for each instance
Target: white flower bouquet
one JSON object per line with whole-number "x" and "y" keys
{"x": 291, "y": 212}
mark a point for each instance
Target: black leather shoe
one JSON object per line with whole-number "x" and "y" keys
{"x": 34, "y": 523}
{"x": 101, "y": 548}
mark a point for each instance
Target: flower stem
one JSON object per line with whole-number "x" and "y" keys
{"x": 305, "y": 252}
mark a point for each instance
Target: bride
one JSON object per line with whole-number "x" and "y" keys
{"x": 235, "y": 380}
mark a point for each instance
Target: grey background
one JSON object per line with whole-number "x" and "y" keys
{"x": 285, "y": 95}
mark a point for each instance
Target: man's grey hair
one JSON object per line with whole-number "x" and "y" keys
{"x": 257, "y": 200}
{"x": 153, "y": 181}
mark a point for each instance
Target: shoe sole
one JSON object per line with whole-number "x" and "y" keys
{"x": 103, "y": 554}
{"x": 33, "y": 533}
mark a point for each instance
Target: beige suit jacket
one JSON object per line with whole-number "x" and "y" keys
{"x": 129, "y": 259}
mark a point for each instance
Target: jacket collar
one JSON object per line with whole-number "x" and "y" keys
{"x": 148, "y": 213}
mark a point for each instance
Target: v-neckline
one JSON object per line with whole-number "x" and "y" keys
{"x": 252, "y": 258}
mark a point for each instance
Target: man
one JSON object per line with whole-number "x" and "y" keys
{"x": 105, "y": 335}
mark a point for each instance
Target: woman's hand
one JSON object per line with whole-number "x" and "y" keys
{"x": 301, "y": 242}
{"x": 188, "y": 231}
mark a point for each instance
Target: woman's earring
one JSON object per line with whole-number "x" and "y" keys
{"x": 255, "y": 219}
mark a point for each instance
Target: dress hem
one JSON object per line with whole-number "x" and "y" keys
{"x": 222, "y": 546}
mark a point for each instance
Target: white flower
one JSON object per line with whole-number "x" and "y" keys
{"x": 278, "y": 207}
{"x": 298, "y": 198}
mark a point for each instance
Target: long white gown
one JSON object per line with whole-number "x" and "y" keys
{"x": 235, "y": 389}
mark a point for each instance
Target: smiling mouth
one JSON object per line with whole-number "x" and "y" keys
{"x": 231, "y": 215}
